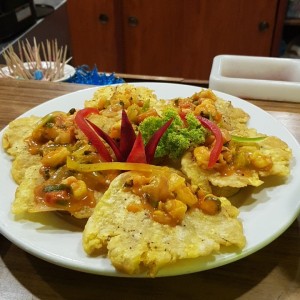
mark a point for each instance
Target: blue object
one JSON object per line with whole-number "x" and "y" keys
{"x": 83, "y": 75}
{"x": 38, "y": 75}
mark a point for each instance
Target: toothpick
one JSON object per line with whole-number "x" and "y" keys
{"x": 52, "y": 65}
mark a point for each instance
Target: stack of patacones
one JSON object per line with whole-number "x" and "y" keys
{"x": 149, "y": 175}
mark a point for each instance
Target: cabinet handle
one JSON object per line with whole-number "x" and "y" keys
{"x": 263, "y": 26}
{"x": 103, "y": 18}
{"x": 133, "y": 21}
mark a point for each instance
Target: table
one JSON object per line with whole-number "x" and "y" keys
{"x": 271, "y": 273}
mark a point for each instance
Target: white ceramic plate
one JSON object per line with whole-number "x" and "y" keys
{"x": 266, "y": 213}
{"x": 69, "y": 71}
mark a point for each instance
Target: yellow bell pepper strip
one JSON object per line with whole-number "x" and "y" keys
{"x": 104, "y": 166}
{"x": 137, "y": 153}
{"x": 110, "y": 141}
{"x": 127, "y": 137}
{"x": 242, "y": 139}
{"x": 154, "y": 140}
{"x": 80, "y": 120}
{"x": 217, "y": 148}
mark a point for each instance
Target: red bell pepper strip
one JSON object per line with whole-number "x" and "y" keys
{"x": 154, "y": 140}
{"x": 137, "y": 154}
{"x": 182, "y": 116}
{"x": 80, "y": 120}
{"x": 128, "y": 137}
{"x": 110, "y": 141}
{"x": 131, "y": 148}
{"x": 217, "y": 148}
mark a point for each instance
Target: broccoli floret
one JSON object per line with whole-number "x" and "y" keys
{"x": 178, "y": 138}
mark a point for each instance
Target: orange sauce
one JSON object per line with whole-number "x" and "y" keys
{"x": 63, "y": 199}
{"x": 152, "y": 190}
{"x": 33, "y": 146}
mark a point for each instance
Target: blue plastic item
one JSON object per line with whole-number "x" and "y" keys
{"x": 84, "y": 75}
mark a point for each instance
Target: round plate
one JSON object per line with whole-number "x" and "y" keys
{"x": 266, "y": 212}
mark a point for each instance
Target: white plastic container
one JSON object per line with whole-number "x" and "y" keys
{"x": 254, "y": 77}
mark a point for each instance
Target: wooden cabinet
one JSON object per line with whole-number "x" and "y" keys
{"x": 177, "y": 38}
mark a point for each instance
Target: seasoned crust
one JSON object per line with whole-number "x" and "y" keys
{"x": 152, "y": 245}
{"x": 13, "y": 138}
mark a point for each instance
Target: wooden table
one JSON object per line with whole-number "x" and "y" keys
{"x": 271, "y": 273}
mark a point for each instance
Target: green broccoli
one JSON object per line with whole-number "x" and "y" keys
{"x": 179, "y": 136}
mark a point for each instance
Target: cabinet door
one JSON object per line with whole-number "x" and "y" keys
{"x": 181, "y": 37}
{"x": 94, "y": 31}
